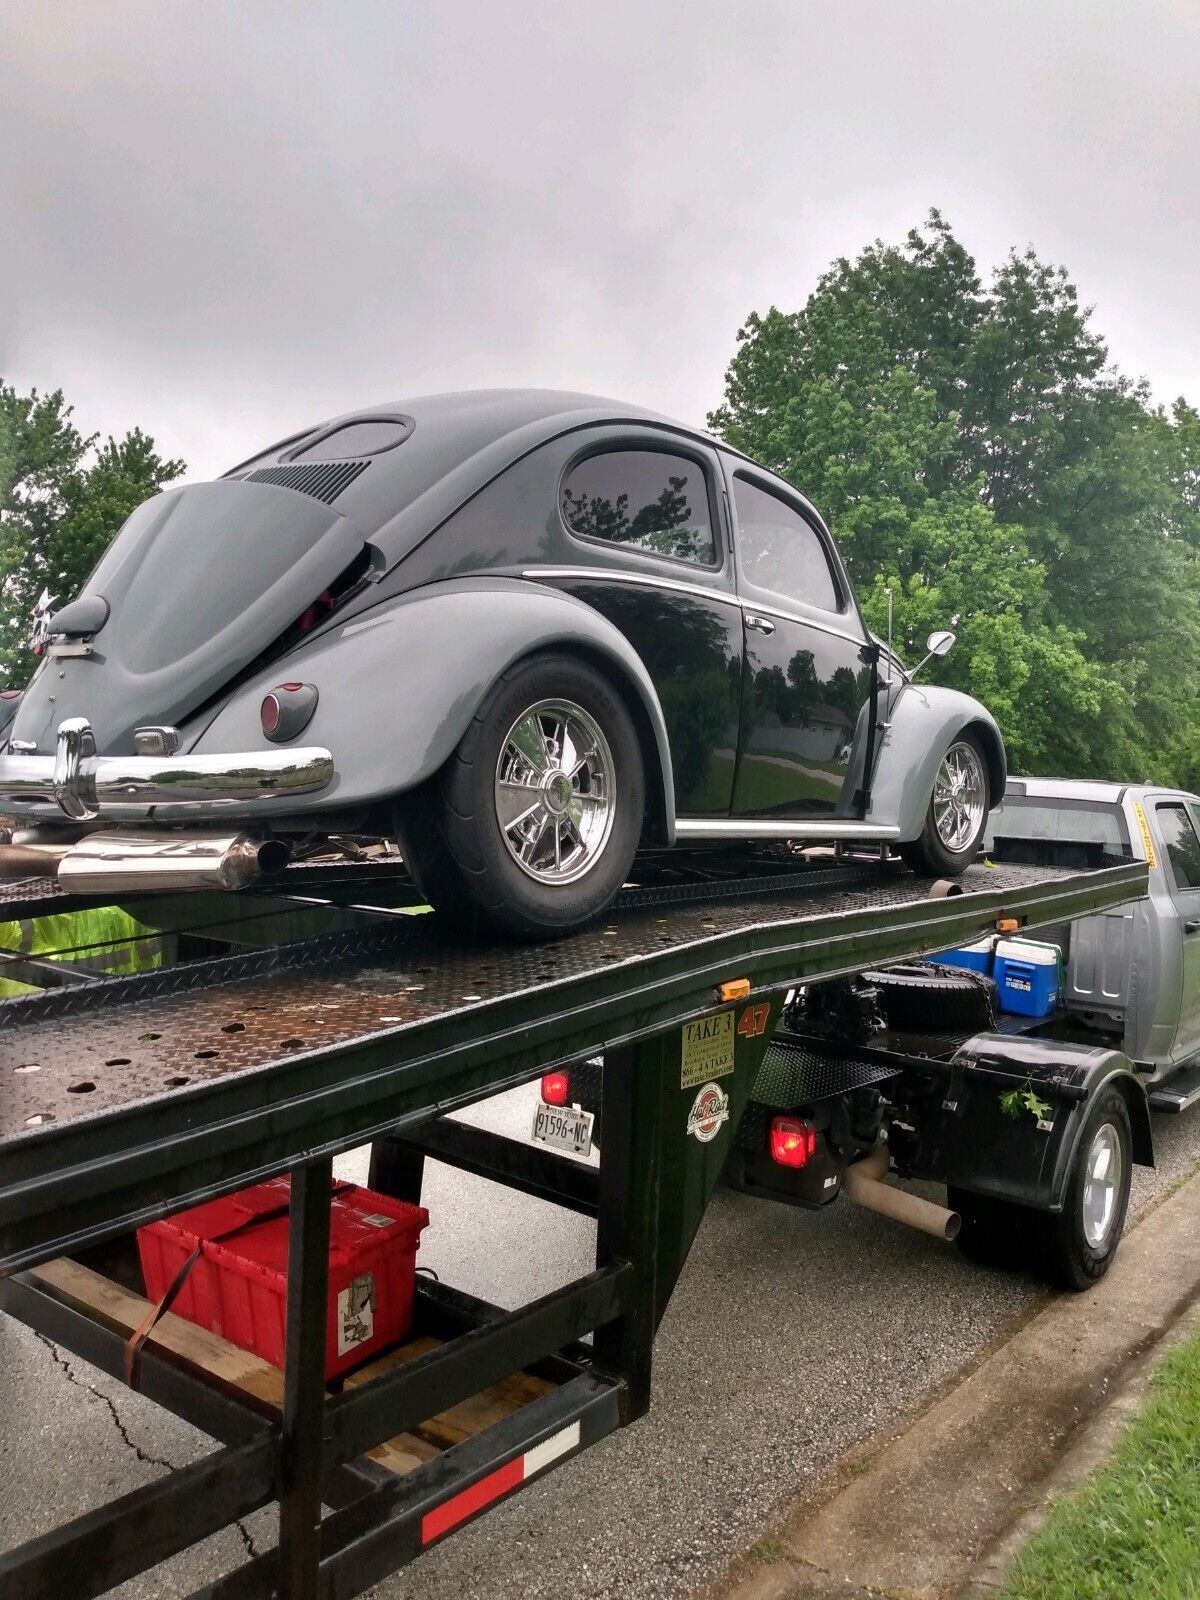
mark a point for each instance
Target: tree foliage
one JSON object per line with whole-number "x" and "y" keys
{"x": 979, "y": 456}
{"x": 62, "y": 497}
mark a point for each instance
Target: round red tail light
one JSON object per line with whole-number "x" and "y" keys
{"x": 287, "y": 710}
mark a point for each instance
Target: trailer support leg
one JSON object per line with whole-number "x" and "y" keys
{"x": 629, "y": 1212}
{"x": 304, "y": 1381}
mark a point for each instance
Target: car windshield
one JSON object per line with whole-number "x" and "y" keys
{"x": 1097, "y": 824}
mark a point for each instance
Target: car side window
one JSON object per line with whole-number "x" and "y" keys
{"x": 1182, "y": 845}
{"x": 642, "y": 500}
{"x": 780, "y": 550}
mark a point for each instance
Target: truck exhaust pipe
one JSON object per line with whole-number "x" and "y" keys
{"x": 140, "y": 863}
{"x": 863, "y": 1183}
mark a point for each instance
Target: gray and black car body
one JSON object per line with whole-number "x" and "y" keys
{"x": 527, "y": 633}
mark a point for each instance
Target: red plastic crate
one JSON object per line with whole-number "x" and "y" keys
{"x": 238, "y": 1286}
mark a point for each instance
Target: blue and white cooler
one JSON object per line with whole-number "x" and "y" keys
{"x": 1027, "y": 976}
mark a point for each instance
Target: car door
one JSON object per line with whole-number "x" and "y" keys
{"x": 1179, "y": 829}
{"x": 643, "y": 517}
{"x": 806, "y": 677}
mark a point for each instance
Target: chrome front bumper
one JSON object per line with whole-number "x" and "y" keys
{"x": 82, "y": 784}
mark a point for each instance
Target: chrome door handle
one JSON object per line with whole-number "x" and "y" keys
{"x": 759, "y": 624}
{"x": 1192, "y": 925}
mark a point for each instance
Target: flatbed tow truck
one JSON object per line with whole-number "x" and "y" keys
{"x": 308, "y": 1019}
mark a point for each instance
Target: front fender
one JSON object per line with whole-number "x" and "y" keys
{"x": 399, "y": 684}
{"x": 922, "y": 722}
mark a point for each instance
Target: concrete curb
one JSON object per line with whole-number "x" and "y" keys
{"x": 917, "y": 1519}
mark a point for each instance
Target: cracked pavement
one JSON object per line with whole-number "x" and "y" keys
{"x": 791, "y": 1337}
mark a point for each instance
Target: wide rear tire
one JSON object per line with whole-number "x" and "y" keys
{"x": 533, "y": 823}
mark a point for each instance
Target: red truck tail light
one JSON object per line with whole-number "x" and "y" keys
{"x": 556, "y": 1086}
{"x": 793, "y": 1142}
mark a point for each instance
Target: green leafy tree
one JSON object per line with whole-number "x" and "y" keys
{"x": 979, "y": 457}
{"x": 62, "y": 498}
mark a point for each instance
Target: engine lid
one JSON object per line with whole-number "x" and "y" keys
{"x": 199, "y": 582}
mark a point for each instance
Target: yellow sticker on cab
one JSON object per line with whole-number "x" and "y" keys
{"x": 707, "y": 1049}
{"x": 1144, "y": 829}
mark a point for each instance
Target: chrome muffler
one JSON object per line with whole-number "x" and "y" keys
{"x": 140, "y": 863}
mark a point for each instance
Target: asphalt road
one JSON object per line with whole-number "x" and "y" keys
{"x": 790, "y": 1337}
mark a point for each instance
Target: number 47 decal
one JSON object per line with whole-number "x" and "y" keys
{"x": 753, "y": 1021}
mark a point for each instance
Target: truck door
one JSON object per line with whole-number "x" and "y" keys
{"x": 1179, "y": 829}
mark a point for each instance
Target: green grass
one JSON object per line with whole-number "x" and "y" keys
{"x": 1132, "y": 1530}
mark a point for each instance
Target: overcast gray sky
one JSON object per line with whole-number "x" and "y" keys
{"x": 226, "y": 221}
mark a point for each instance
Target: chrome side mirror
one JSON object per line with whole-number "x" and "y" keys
{"x": 940, "y": 643}
{"x": 937, "y": 644}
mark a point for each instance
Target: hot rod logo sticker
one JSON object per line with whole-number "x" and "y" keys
{"x": 709, "y": 1110}
{"x": 707, "y": 1049}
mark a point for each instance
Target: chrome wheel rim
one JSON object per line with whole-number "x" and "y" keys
{"x": 556, "y": 792}
{"x": 1103, "y": 1175}
{"x": 959, "y": 797}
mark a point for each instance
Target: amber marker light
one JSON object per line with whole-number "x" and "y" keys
{"x": 733, "y": 989}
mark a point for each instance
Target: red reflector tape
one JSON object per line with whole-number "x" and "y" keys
{"x": 469, "y": 1502}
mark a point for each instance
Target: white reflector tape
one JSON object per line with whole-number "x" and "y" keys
{"x": 558, "y": 1444}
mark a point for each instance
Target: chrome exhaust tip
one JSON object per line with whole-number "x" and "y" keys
{"x": 143, "y": 863}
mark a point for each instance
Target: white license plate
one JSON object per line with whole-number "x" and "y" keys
{"x": 563, "y": 1126}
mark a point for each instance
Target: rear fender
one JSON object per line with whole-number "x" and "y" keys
{"x": 972, "y": 1143}
{"x": 922, "y": 723}
{"x": 399, "y": 685}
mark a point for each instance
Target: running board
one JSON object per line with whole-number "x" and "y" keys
{"x": 846, "y": 832}
{"x": 1179, "y": 1092}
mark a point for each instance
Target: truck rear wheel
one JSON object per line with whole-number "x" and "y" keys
{"x": 1080, "y": 1241}
{"x": 1072, "y": 1248}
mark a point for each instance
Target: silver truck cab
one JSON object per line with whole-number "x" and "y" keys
{"x": 1133, "y": 972}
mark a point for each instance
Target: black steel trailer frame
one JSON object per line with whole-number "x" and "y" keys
{"x": 338, "y": 1018}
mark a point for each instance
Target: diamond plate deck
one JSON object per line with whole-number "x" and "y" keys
{"x": 152, "y": 1100}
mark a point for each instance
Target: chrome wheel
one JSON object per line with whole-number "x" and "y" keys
{"x": 959, "y": 797}
{"x": 555, "y": 791}
{"x": 1103, "y": 1177}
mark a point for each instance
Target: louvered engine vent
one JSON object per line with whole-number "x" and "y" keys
{"x": 323, "y": 480}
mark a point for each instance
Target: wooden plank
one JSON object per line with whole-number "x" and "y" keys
{"x": 234, "y": 1368}
{"x": 124, "y": 1311}
{"x": 470, "y": 1416}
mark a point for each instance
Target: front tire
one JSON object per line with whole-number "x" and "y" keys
{"x": 957, "y": 814}
{"x": 533, "y": 823}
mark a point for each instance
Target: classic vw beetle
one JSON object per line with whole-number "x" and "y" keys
{"x": 524, "y": 632}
